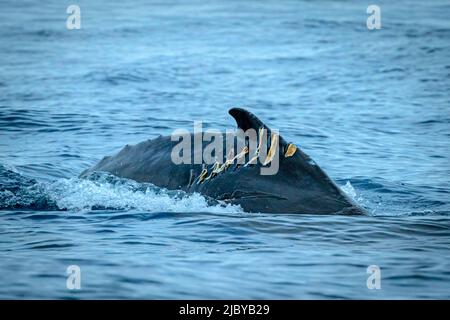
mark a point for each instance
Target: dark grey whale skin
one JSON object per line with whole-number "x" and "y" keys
{"x": 300, "y": 185}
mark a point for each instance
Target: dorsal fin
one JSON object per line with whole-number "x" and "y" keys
{"x": 246, "y": 120}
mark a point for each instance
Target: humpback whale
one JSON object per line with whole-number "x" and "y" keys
{"x": 298, "y": 186}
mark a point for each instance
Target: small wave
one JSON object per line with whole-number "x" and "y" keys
{"x": 116, "y": 77}
{"x": 19, "y": 192}
{"x": 381, "y": 197}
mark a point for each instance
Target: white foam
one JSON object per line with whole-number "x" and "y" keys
{"x": 80, "y": 194}
{"x": 357, "y": 197}
{"x": 351, "y": 192}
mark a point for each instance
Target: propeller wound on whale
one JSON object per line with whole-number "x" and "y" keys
{"x": 290, "y": 150}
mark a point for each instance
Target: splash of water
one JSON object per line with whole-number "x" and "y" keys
{"x": 115, "y": 193}
{"x": 351, "y": 192}
{"x": 99, "y": 191}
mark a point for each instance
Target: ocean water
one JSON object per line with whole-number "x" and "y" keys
{"x": 371, "y": 107}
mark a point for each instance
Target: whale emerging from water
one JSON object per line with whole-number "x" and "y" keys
{"x": 298, "y": 186}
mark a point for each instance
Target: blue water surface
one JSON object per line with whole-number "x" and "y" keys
{"x": 371, "y": 107}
